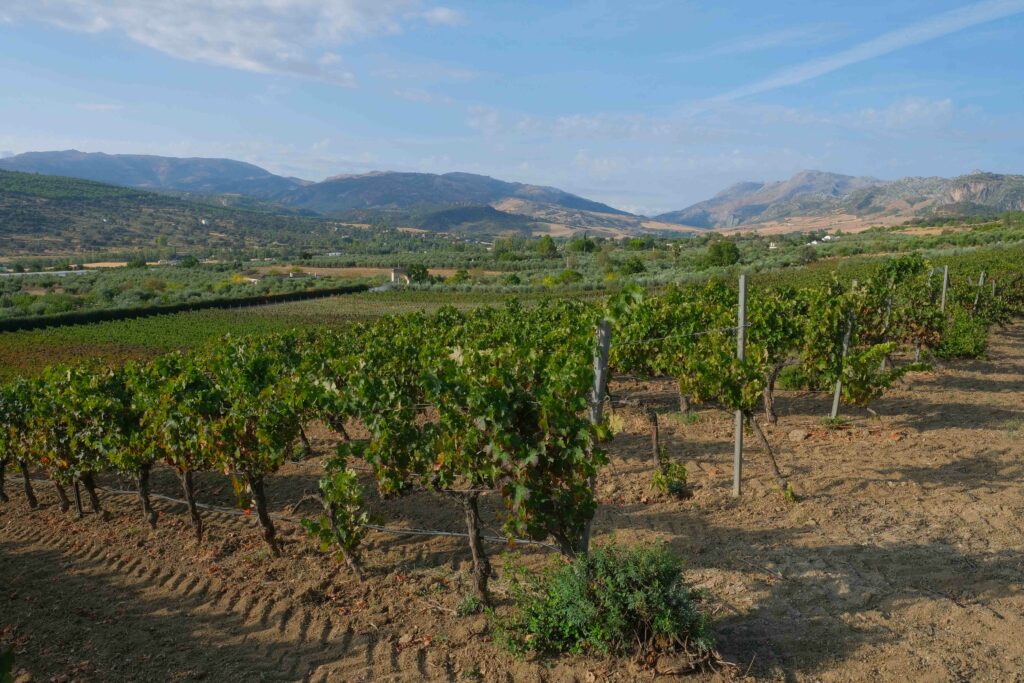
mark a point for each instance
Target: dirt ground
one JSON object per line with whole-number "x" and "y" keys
{"x": 902, "y": 560}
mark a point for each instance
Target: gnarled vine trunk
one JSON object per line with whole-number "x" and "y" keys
{"x": 771, "y": 453}
{"x": 89, "y": 482}
{"x": 481, "y": 565}
{"x": 62, "y": 497}
{"x": 147, "y": 506}
{"x": 307, "y": 448}
{"x": 350, "y": 559}
{"x": 30, "y": 494}
{"x": 684, "y": 402}
{"x": 79, "y": 512}
{"x": 260, "y": 497}
{"x": 769, "y": 394}
{"x": 190, "y": 498}
{"x": 3, "y": 472}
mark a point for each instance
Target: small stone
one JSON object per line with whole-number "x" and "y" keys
{"x": 798, "y": 435}
{"x": 609, "y": 489}
{"x": 405, "y": 639}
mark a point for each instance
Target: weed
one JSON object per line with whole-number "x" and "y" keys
{"x": 470, "y": 604}
{"x": 619, "y": 599}
{"x": 833, "y": 422}
{"x": 670, "y": 477}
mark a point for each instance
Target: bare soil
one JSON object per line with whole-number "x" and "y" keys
{"x": 902, "y": 560}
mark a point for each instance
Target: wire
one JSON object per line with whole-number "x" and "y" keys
{"x": 716, "y": 330}
{"x": 398, "y": 531}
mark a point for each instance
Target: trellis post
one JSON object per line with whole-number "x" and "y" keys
{"x": 741, "y": 353}
{"x": 842, "y": 361}
{"x": 977, "y": 295}
{"x": 945, "y": 286}
{"x": 604, "y": 340}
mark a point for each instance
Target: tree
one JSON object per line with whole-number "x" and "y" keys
{"x": 723, "y": 252}
{"x": 417, "y": 272}
{"x": 546, "y": 247}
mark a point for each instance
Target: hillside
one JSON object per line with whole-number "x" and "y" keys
{"x": 389, "y": 190}
{"x": 482, "y": 220}
{"x": 50, "y": 214}
{"x": 400, "y": 199}
{"x": 205, "y": 176}
{"x": 752, "y": 202}
{"x": 813, "y": 198}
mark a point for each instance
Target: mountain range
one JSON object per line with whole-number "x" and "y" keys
{"x": 820, "y": 199}
{"x": 481, "y": 205}
{"x": 401, "y": 199}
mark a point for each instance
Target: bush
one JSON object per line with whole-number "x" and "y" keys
{"x": 963, "y": 336}
{"x": 619, "y": 600}
{"x": 722, "y": 252}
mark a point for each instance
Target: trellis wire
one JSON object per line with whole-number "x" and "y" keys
{"x": 295, "y": 520}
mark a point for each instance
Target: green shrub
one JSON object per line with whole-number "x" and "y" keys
{"x": 963, "y": 336}
{"x": 792, "y": 378}
{"x": 619, "y": 600}
{"x": 670, "y": 477}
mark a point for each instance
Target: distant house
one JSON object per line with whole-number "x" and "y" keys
{"x": 772, "y": 245}
{"x": 826, "y": 238}
{"x": 400, "y": 275}
{"x": 254, "y": 280}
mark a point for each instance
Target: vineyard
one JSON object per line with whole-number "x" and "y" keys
{"x": 505, "y": 412}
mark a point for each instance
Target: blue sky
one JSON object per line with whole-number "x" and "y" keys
{"x": 649, "y": 105}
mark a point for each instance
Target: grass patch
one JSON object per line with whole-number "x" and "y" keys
{"x": 619, "y": 600}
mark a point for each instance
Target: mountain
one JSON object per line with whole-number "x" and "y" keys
{"x": 753, "y": 202}
{"x": 201, "y": 176}
{"x": 481, "y": 220}
{"x": 391, "y": 190}
{"x": 42, "y": 214}
{"x": 813, "y": 199}
{"x": 400, "y": 199}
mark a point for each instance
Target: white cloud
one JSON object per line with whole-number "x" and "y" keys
{"x": 910, "y": 113}
{"x": 420, "y": 96}
{"x": 915, "y": 34}
{"x": 295, "y": 37}
{"x": 487, "y": 120}
{"x": 443, "y": 16}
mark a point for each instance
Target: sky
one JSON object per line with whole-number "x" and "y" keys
{"x": 648, "y": 105}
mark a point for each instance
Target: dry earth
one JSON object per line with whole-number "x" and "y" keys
{"x": 903, "y": 559}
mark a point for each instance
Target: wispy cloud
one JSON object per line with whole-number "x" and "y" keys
{"x": 915, "y": 34}
{"x": 421, "y": 96}
{"x": 98, "y": 106}
{"x": 294, "y": 37}
{"x": 443, "y": 16}
{"x": 801, "y": 36}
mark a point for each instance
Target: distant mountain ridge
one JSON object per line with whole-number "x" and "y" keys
{"x": 381, "y": 195}
{"x": 148, "y": 172}
{"x": 819, "y": 194}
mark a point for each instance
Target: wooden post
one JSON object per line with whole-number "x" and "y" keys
{"x": 604, "y": 340}
{"x": 945, "y": 286}
{"x": 741, "y": 353}
{"x": 842, "y": 362}
{"x": 885, "y": 329}
{"x": 977, "y": 295}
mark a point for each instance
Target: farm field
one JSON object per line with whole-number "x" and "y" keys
{"x": 902, "y": 559}
{"x": 27, "y": 353}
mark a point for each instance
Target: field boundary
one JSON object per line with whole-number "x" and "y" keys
{"x": 108, "y": 315}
